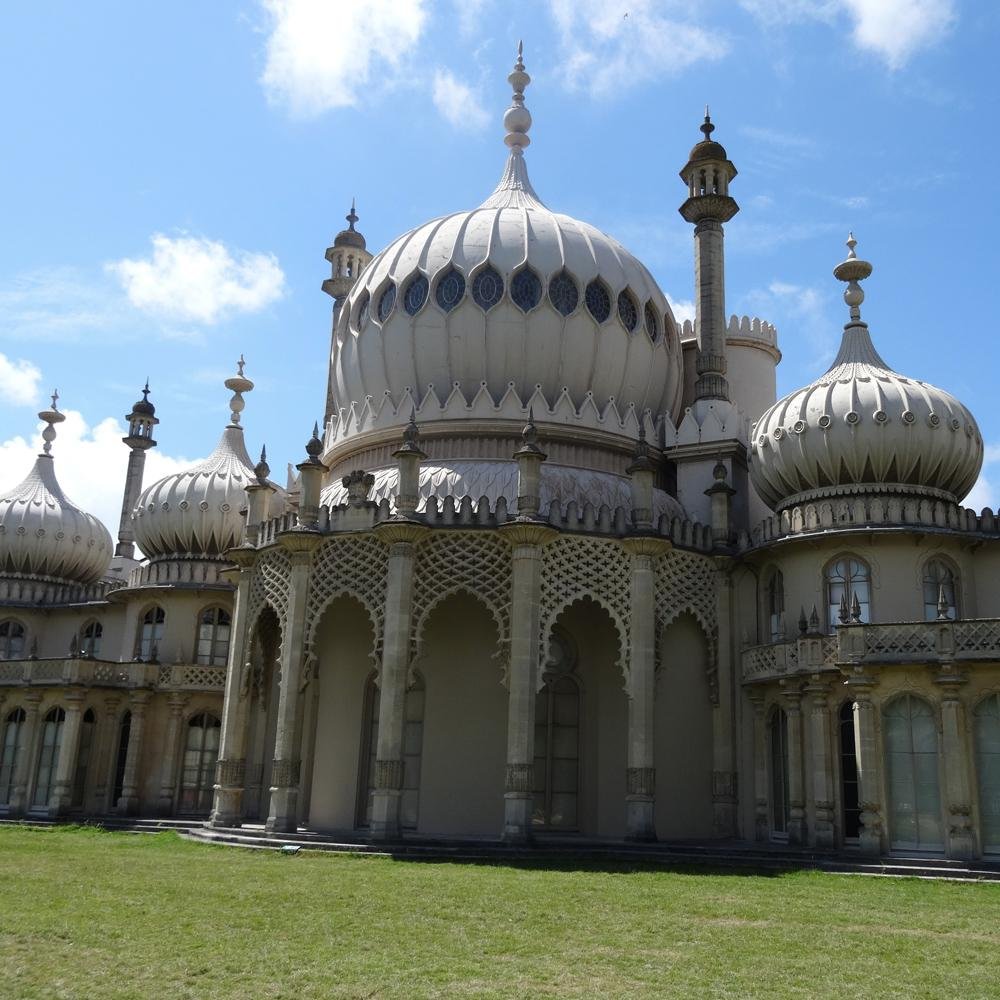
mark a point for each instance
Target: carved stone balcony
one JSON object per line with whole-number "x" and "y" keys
{"x": 86, "y": 672}
{"x": 934, "y": 643}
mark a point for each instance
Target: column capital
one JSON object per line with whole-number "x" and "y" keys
{"x": 646, "y": 545}
{"x": 860, "y": 684}
{"x": 138, "y": 702}
{"x": 522, "y": 533}
{"x": 243, "y": 555}
{"x": 176, "y": 701}
{"x": 74, "y": 699}
{"x": 300, "y": 544}
{"x": 950, "y": 680}
{"x": 405, "y": 531}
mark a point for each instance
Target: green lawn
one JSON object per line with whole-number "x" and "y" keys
{"x": 89, "y": 914}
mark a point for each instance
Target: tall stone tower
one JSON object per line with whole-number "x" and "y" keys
{"x": 141, "y": 422}
{"x": 707, "y": 175}
{"x": 348, "y": 257}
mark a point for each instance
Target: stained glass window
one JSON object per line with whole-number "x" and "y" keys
{"x": 627, "y": 311}
{"x": 563, "y": 293}
{"x": 386, "y": 302}
{"x": 416, "y": 294}
{"x": 598, "y": 301}
{"x": 526, "y": 289}
{"x": 487, "y": 288}
{"x": 652, "y": 326}
{"x": 450, "y": 290}
{"x": 364, "y": 309}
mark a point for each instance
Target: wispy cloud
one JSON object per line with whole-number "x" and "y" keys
{"x": 458, "y": 103}
{"x": 803, "y": 308}
{"x": 787, "y": 142}
{"x": 986, "y": 492}
{"x": 190, "y": 278}
{"x": 607, "y": 50}
{"x": 19, "y": 381}
{"x": 682, "y": 309}
{"x": 325, "y": 54}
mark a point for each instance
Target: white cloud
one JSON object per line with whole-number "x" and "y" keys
{"x": 470, "y": 13}
{"x": 18, "y": 381}
{"x": 682, "y": 309}
{"x": 196, "y": 279}
{"x": 802, "y": 309}
{"x": 986, "y": 492}
{"x": 607, "y": 49}
{"x": 90, "y": 464}
{"x": 457, "y": 103}
{"x": 894, "y": 30}
{"x": 324, "y": 54}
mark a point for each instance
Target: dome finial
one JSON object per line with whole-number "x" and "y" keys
{"x": 517, "y": 120}
{"x": 352, "y": 216}
{"x": 706, "y": 126}
{"x": 852, "y": 270}
{"x": 51, "y": 418}
{"x": 238, "y": 384}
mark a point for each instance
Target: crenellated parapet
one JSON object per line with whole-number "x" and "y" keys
{"x": 43, "y": 590}
{"x": 751, "y": 329}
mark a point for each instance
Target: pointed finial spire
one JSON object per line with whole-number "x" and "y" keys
{"x": 314, "y": 446}
{"x": 351, "y": 216}
{"x": 262, "y": 470}
{"x": 852, "y": 270}
{"x": 145, "y": 390}
{"x": 943, "y": 605}
{"x": 238, "y": 384}
{"x": 517, "y": 120}
{"x": 51, "y": 418}
{"x": 706, "y": 126}
{"x": 855, "y": 610}
{"x": 814, "y": 620}
{"x": 803, "y": 622}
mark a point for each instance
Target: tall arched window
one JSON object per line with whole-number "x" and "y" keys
{"x": 151, "y": 633}
{"x": 911, "y": 751}
{"x": 850, "y": 809}
{"x": 83, "y": 755}
{"x": 48, "y": 757}
{"x": 778, "y": 738}
{"x": 11, "y": 640}
{"x": 214, "y": 626}
{"x": 10, "y": 752}
{"x": 413, "y": 741}
{"x": 557, "y": 753}
{"x": 776, "y": 607}
{"x": 121, "y": 757}
{"x": 939, "y": 582}
{"x": 90, "y": 638}
{"x": 987, "y": 729}
{"x": 201, "y": 751}
{"x": 848, "y": 591}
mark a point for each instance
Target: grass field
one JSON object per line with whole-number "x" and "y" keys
{"x": 90, "y": 914}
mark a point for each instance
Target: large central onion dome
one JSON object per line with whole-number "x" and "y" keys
{"x": 198, "y": 512}
{"x": 861, "y": 428}
{"x": 45, "y": 534}
{"x": 507, "y": 300}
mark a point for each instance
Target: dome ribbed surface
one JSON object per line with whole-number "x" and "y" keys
{"x": 43, "y": 533}
{"x": 863, "y": 428}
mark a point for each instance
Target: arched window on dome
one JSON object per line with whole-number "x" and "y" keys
{"x": 848, "y": 591}
{"x": 450, "y": 289}
{"x": 12, "y": 636}
{"x": 563, "y": 293}
{"x": 415, "y": 295}
{"x": 90, "y": 638}
{"x": 598, "y": 300}
{"x": 526, "y": 289}
{"x": 775, "y": 606}
{"x": 940, "y": 584}
{"x": 48, "y": 757}
{"x": 628, "y": 311}
{"x": 777, "y": 730}
{"x": 11, "y": 749}
{"x": 652, "y": 324}
{"x": 150, "y": 633}
{"x": 385, "y": 303}
{"x": 212, "y": 646}
{"x": 201, "y": 752}
{"x": 487, "y": 288}
{"x": 364, "y": 309}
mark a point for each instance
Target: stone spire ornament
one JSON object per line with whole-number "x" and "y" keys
{"x": 262, "y": 470}
{"x": 517, "y": 120}
{"x": 852, "y": 270}
{"x": 238, "y": 384}
{"x": 51, "y": 418}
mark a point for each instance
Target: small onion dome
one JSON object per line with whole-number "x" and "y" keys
{"x": 862, "y": 428}
{"x": 42, "y": 532}
{"x": 198, "y": 511}
{"x": 144, "y": 406}
{"x": 708, "y": 148}
{"x": 350, "y": 237}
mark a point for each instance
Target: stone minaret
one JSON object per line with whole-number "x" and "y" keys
{"x": 707, "y": 175}
{"x": 141, "y": 422}
{"x": 348, "y": 258}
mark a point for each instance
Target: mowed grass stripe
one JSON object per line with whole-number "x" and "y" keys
{"x": 86, "y": 913}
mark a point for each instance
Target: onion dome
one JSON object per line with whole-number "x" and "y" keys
{"x": 42, "y": 532}
{"x": 862, "y": 428}
{"x": 350, "y": 237}
{"x": 143, "y": 406}
{"x": 507, "y": 297}
{"x": 198, "y": 512}
{"x": 708, "y": 148}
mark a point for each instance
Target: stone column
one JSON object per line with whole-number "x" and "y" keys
{"x": 527, "y": 540}
{"x": 641, "y": 769}
{"x": 402, "y": 538}
{"x": 62, "y": 786}
{"x": 130, "y": 803}
{"x": 961, "y": 837}
{"x": 725, "y": 781}
{"x": 107, "y": 743}
{"x": 286, "y": 770}
{"x": 869, "y": 770}
{"x": 796, "y": 784}
{"x": 27, "y": 757}
{"x": 821, "y": 760}
{"x": 230, "y": 771}
{"x": 761, "y": 825}
{"x": 171, "y": 751}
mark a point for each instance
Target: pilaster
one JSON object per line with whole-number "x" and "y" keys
{"x": 818, "y": 692}
{"x": 171, "y": 751}
{"x": 725, "y": 779}
{"x": 22, "y": 773}
{"x": 961, "y": 836}
{"x": 869, "y": 770}
{"x": 796, "y": 783}
{"x": 761, "y": 825}
{"x": 62, "y": 786}
{"x": 129, "y": 803}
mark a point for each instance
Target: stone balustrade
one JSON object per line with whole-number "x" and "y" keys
{"x": 106, "y": 673}
{"x": 936, "y": 642}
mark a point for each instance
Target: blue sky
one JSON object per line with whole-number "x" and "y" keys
{"x": 174, "y": 172}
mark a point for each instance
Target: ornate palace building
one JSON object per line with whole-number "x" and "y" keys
{"x": 557, "y": 565}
